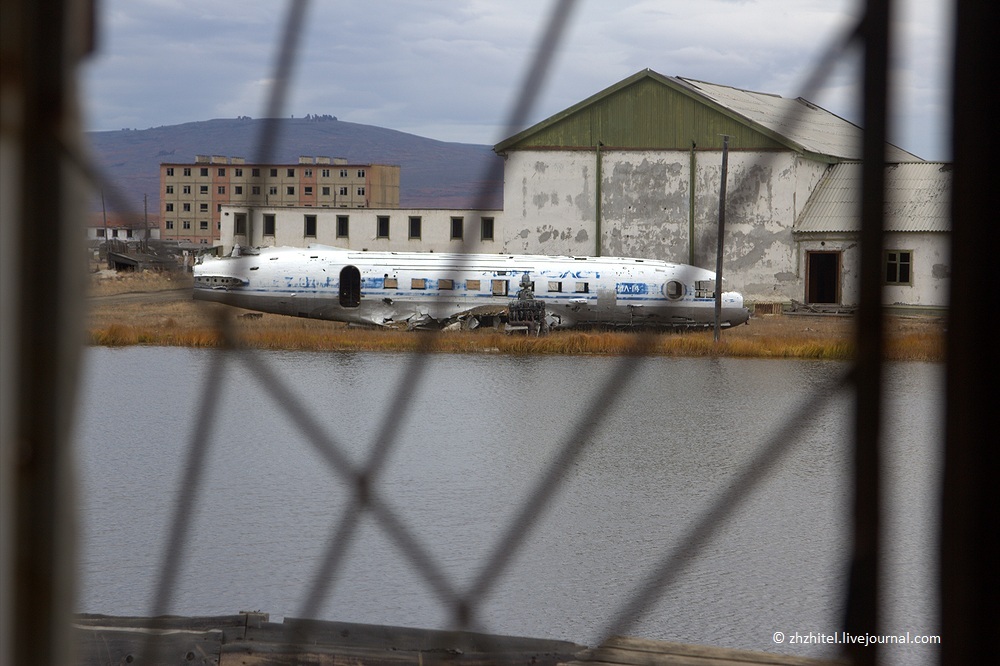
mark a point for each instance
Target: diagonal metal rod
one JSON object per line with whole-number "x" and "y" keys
{"x": 746, "y": 482}
{"x": 603, "y": 402}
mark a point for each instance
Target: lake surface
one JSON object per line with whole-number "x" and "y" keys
{"x": 472, "y": 441}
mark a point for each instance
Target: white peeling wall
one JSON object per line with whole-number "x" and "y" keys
{"x": 550, "y": 208}
{"x": 931, "y": 275}
{"x": 549, "y": 202}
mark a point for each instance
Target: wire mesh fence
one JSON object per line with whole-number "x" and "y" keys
{"x": 463, "y": 600}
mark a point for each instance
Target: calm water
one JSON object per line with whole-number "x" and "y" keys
{"x": 472, "y": 442}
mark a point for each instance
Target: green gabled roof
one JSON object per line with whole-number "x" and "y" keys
{"x": 651, "y": 111}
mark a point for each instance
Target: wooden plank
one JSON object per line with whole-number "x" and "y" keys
{"x": 105, "y": 645}
{"x": 252, "y": 653}
{"x": 385, "y": 637}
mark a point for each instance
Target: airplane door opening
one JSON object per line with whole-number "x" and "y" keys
{"x": 350, "y": 287}
{"x": 823, "y": 277}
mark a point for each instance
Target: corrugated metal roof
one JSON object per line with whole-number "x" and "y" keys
{"x": 918, "y": 198}
{"x": 814, "y": 129}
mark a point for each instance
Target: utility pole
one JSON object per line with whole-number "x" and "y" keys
{"x": 722, "y": 234}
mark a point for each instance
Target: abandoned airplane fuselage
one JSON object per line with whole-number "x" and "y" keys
{"x": 422, "y": 289}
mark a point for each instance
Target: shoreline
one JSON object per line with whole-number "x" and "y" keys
{"x": 157, "y": 310}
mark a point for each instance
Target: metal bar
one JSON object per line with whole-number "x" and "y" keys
{"x": 40, "y": 573}
{"x": 863, "y": 586}
{"x": 970, "y": 534}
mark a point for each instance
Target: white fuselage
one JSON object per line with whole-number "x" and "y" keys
{"x": 386, "y": 288}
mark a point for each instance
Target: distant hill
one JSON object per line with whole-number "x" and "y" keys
{"x": 433, "y": 174}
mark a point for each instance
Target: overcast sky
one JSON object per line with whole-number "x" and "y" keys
{"x": 451, "y": 69}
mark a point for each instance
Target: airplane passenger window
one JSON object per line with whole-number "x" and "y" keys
{"x": 673, "y": 290}
{"x": 446, "y": 284}
{"x": 583, "y": 287}
{"x": 499, "y": 287}
{"x": 555, "y": 286}
{"x": 472, "y": 285}
{"x": 390, "y": 283}
{"x": 418, "y": 283}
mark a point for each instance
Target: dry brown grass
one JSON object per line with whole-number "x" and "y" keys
{"x": 163, "y": 316}
{"x": 110, "y": 283}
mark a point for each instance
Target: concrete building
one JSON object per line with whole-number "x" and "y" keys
{"x": 635, "y": 171}
{"x": 192, "y": 195}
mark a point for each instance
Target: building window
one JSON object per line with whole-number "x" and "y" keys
{"x": 170, "y": 189}
{"x": 361, "y": 173}
{"x": 291, "y": 173}
{"x": 186, "y": 207}
{"x": 325, "y": 173}
{"x": 255, "y": 189}
{"x": 222, "y": 189}
{"x": 255, "y": 173}
{"x": 203, "y": 208}
{"x": 343, "y": 226}
{"x": 203, "y": 189}
{"x": 170, "y": 171}
{"x": 274, "y": 173}
{"x": 273, "y": 189}
{"x": 268, "y": 224}
{"x": 240, "y": 226}
{"x": 222, "y": 171}
{"x": 898, "y": 264}
{"x": 187, "y": 189}
{"x": 170, "y": 208}
{"x": 310, "y": 225}
{"x": 486, "y": 227}
{"x": 186, "y": 224}
{"x": 204, "y": 172}
{"x": 308, "y": 173}
{"x": 343, "y": 173}
{"x": 237, "y": 189}
{"x": 187, "y": 171}
{"x": 326, "y": 191}
{"x": 101, "y": 233}
{"x": 239, "y": 173}
{"x": 290, "y": 190}
{"x": 457, "y": 228}
{"x": 343, "y": 191}
{"x": 415, "y": 227}
{"x": 361, "y": 191}
{"x": 170, "y": 225}
{"x": 309, "y": 190}
{"x": 203, "y": 225}
{"x": 382, "y": 226}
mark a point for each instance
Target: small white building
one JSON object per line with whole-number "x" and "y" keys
{"x": 363, "y": 229}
